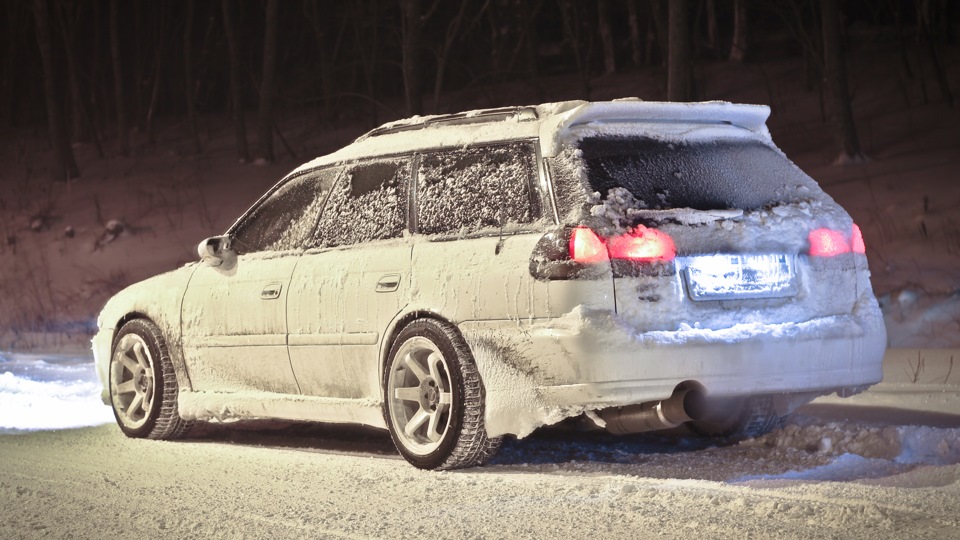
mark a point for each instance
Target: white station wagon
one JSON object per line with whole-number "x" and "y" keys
{"x": 459, "y": 278}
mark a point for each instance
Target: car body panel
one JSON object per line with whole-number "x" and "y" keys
{"x": 235, "y": 325}
{"x": 341, "y": 301}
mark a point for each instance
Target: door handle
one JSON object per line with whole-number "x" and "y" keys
{"x": 388, "y": 283}
{"x": 271, "y": 291}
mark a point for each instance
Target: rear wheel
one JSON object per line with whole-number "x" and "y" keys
{"x": 738, "y": 418}
{"x": 434, "y": 399}
{"x": 143, "y": 386}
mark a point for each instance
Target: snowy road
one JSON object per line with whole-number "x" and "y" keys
{"x": 881, "y": 465}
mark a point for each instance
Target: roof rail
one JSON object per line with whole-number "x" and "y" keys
{"x": 484, "y": 116}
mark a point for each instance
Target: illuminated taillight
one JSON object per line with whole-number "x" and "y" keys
{"x": 642, "y": 244}
{"x": 586, "y": 247}
{"x": 829, "y": 243}
{"x": 857, "y": 240}
{"x": 580, "y": 253}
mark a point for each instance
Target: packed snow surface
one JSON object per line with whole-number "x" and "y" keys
{"x": 883, "y": 464}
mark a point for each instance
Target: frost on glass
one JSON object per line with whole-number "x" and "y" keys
{"x": 365, "y": 204}
{"x": 702, "y": 175}
{"x": 285, "y": 219}
{"x": 475, "y": 188}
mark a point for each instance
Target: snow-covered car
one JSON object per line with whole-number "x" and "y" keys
{"x": 459, "y": 278}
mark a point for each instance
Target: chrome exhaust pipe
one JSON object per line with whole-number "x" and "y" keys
{"x": 682, "y": 406}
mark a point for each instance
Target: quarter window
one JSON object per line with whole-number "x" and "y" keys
{"x": 367, "y": 203}
{"x": 476, "y": 187}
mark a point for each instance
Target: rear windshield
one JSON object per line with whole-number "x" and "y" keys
{"x": 703, "y": 175}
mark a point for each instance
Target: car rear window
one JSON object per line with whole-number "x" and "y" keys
{"x": 703, "y": 175}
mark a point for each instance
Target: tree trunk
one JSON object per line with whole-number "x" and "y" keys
{"x": 78, "y": 131}
{"x": 64, "y": 165}
{"x": 738, "y": 49}
{"x": 678, "y": 55}
{"x": 659, "y": 25}
{"x": 581, "y": 55}
{"x": 835, "y": 73}
{"x": 265, "y": 121}
{"x": 122, "y": 135}
{"x": 713, "y": 39}
{"x": 188, "y": 82}
{"x": 160, "y": 19}
{"x": 410, "y": 29}
{"x": 928, "y": 16}
{"x": 636, "y": 41}
{"x": 531, "y": 40}
{"x": 606, "y": 37}
{"x": 236, "y": 96}
{"x": 8, "y": 83}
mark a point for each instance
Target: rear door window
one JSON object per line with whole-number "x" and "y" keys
{"x": 475, "y": 188}
{"x": 368, "y": 202}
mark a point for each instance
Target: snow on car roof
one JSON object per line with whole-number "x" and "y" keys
{"x": 548, "y": 122}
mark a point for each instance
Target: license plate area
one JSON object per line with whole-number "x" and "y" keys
{"x": 735, "y": 277}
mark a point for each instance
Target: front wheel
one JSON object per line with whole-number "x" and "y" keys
{"x": 143, "y": 386}
{"x": 434, "y": 399}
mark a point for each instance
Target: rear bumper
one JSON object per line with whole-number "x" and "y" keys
{"x": 588, "y": 361}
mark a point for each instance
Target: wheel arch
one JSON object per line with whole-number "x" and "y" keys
{"x": 397, "y": 325}
{"x": 173, "y": 342}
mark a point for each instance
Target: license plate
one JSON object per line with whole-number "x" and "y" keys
{"x": 729, "y": 277}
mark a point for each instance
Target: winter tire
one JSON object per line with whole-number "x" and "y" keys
{"x": 434, "y": 399}
{"x": 143, "y": 386}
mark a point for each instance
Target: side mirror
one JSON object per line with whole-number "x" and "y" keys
{"x": 214, "y": 251}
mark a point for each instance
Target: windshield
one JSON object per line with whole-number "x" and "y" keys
{"x": 703, "y": 175}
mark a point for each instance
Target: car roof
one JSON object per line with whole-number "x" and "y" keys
{"x": 548, "y": 122}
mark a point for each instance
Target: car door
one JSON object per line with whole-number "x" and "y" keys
{"x": 477, "y": 208}
{"x": 234, "y": 316}
{"x": 352, "y": 282}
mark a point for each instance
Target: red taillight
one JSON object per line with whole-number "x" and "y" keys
{"x": 643, "y": 244}
{"x": 828, "y": 242}
{"x": 857, "y": 240}
{"x": 586, "y": 246}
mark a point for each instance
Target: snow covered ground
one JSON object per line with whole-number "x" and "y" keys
{"x": 883, "y": 464}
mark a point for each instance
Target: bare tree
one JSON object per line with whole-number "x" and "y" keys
{"x": 738, "y": 48}
{"x": 265, "y": 121}
{"x": 459, "y": 26}
{"x": 932, "y": 24}
{"x": 679, "y": 69}
{"x": 82, "y": 125}
{"x": 581, "y": 45}
{"x": 188, "y": 82}
{"x": 64, "y": 165}
{"x": 123, "y": 136}
{"x": 636, "y": 41}
{"x": 606, "y": 37}
{"x": 713, "y": 38}
{"x": 411, "y": 28}
{"x": 236, "y": 96}
{"x": 835, "y": 75}
{"x": 160, "y": 21}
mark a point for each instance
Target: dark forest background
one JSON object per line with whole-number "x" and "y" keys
{"x": 101, "y": 71}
